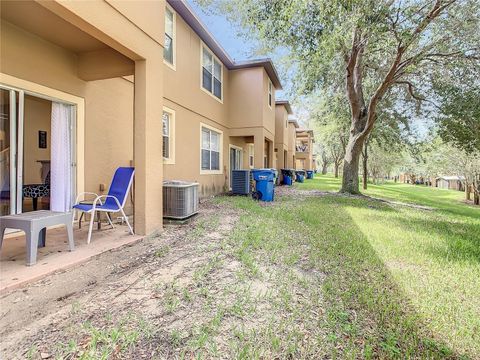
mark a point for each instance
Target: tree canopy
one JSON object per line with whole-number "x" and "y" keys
{"x": 369, "y": 50}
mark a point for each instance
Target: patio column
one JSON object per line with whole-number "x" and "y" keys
{"x": 271, "y": 154}
{"x": 148, "y": 155}
{"x": 259, "y": 148}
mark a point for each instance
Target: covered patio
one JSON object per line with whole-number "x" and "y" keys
{"x": 55, "y": 256}
{"x": 108, "y": 70}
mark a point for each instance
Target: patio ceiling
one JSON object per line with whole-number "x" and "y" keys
{"x": 96, "y": 60}
{"x": 34, "y": 18}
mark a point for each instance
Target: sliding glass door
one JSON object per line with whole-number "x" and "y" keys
{"x": 11, "y": 150}
{"x": 41, "y": 171}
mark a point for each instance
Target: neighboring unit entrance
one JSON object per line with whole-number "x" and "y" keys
{"x": 235, "y": 160}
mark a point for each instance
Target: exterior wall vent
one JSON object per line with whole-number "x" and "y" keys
{"x": 241, "y": 182}
{"x": 180, "y": 199}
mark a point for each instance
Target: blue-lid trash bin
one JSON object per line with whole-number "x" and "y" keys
{"x": 288, "y": 175}
{"x": 275, "y": 176}
{"x": 309, "y": 174}
{"x": 264, "y": 188}
{"x": 300, "y": 176}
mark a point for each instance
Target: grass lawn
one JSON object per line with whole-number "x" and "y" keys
{"x": 313, "y": 275}
{"x": 405, "y": 266}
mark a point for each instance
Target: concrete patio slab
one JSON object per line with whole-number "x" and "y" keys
{"x": 55, "y": 256}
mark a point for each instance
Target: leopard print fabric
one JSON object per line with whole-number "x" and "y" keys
{"x": 37, "y": 190}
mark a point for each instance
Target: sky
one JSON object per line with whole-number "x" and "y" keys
{"x": 223, "y": 32}
{"x": 229, "y": 38}
{"x": 236, "y": 46}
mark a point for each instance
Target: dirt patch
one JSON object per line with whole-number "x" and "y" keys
{"x": 292, "y": 191}
{"x": 166, "y": 296}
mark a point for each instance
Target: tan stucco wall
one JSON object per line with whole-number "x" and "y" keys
{"x": 187, "y": 151}
{"x": 242, "y": 115}
{"x": 281, "y": 136}
{"x": 37, "y": 118}
{"x": 247, "y": 95}
{"x": 138, "y": 36}
{"x": 120, "y": 127}
{"x": 281, "y": 125}
{"x": 32, "y": 58}
{"x": 182, "y": 86}
{"x": 291, "y": 145}
{"x": 108, "y": 131}
{"x": 108, "y": 140}
{"x": 268, "y": 111}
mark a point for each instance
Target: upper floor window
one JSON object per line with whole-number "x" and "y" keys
{"x": 270, "y": 93}
{"x": 168, "y": 51}
{"x": 211, "y": 73}
{"x": 210, "y": 149}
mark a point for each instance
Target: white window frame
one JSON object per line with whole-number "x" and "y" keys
{"x": 270, "y": 93}
{"x": 214, "y": 58}
{"x": 220, "y": 160}
{"x": 173, "y": 65}
{"x": 171, "y": 144}
{"x": 251, "y": 155}
{"x": 230, "y": 147}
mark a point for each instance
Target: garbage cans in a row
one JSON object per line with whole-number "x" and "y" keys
{"x": 264, "y": 184}
{"x": 300, "y": 176}
{"x": 309, "y": 174}
{"x": 288, "y": 175}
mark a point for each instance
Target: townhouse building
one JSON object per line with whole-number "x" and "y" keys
{"x": 87, "y": 87}
{"x": 292, "y": 142}
{"x": 304, "y": 149}
{"x": 219, "y": 114}
{"x": 282, "y": 111}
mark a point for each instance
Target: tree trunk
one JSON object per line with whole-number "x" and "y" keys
{"x": 324, "y": 169}
{"x": 336, "y": 165}
{"x": 350, "y": 183}
{"x": 365, "y": 168}
{"x": 476, "y": 198}
{"x": 467, "y": 191}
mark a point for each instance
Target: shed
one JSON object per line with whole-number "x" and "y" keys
{"x": 451, "y": 182}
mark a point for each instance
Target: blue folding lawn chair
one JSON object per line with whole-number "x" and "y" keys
{"x": 113, "y": 202}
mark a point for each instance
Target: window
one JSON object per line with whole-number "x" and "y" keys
{"x": 211, "y": 73}
{"x": 210, "y": 149}
{"x": 168, "y": 51}
{"x": 270, "y": 93}
{"x": 250, "y": 155}
{"x": 168, "y": 134}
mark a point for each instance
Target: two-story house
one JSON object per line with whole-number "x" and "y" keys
{"x": 282, "y": 111}
{"x": 304, "y": 149}
{"x": 87, "y": 87}
{"x": 292, "y": 141}
{"x": 219, "y": 114}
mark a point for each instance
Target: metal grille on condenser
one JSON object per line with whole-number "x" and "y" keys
{"x": 180, "y": 199}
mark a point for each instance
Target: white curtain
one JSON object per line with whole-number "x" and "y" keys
{"x": 61, "y": 174}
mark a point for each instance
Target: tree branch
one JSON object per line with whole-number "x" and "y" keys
{"x": 410, "y": 90}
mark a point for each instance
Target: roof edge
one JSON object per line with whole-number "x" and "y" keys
{"x": 292, "y": 119}
{"x": 187, "y": 14}
{"x": 285, "y": 103}
{"x": 266, "y": 63}
{"x": 305, "y": 130}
